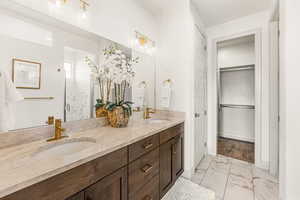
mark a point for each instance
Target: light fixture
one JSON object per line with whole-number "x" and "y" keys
{"x": 144, "y": 43}
{"x": 83, "y": 4}
{"x": 58, "y": 3}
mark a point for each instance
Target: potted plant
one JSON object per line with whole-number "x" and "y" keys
{"x": 98, "y": 74}
{"x": 114, "y": 78}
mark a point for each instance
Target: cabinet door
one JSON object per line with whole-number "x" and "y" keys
{"x": 113, "y": 187}
{"x": 177, "y": 156}
{"x": 166, "y": 180}
{"x": 78, "y": 196}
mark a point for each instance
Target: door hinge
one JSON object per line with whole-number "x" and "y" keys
{"x": 205, "y": 48}
{"x": 278, "y": 118}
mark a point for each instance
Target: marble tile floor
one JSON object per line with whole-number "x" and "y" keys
{"x": 187, "y": 190}
{"x": 233, "y": 179}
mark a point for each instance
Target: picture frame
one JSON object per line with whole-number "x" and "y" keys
{"x": 26, "y": 74}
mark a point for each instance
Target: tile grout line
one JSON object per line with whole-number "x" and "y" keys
{"x": 205, "y": 172}
{"x": 252, "y": 172}
{"x": 227, "y": 179}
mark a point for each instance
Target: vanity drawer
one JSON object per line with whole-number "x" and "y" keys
{"x": 141, "y": 171}
{"x": 171, "y": 133}
{"x": 64, "y": 185}
{"x": 142, "y": 147}
{"x": 150, "y": 191}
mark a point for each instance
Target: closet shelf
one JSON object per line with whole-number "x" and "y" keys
{"x": 239, "y": 106}
{"x": 237, "y": 68}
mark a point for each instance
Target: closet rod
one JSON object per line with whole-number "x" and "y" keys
{"x": 237, "y": 106}
{"x": 237, "y": 68}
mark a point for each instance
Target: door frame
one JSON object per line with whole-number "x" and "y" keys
{"x": 274, "y": 95}
{"x": 258, "y": 90}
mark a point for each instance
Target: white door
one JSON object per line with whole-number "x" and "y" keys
{"x": 200, "y": 97}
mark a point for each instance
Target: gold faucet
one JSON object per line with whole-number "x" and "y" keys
{"x": 147, "y": 112}
{"x": 50, "y": 120}
{"x": 58, "y": 131}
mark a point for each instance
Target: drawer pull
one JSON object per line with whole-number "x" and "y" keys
{"x": 148, "y": 146}
{"x": 148, "y": 198}
{"x": 147, "y": 168}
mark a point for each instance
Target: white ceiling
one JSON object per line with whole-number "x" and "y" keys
{"x": 213, "y": 12}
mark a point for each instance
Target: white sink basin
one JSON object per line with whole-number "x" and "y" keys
{"x": 157, "y": 121}
{"x": 64, "y": 147}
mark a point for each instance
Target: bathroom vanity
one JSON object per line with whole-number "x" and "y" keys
{"x": 142, "y": 164}
{"x": 94, "y": 161}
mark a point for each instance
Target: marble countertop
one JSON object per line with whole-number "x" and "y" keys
{"x": 20, "y": 169}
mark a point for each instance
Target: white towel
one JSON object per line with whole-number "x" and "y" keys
{"x": 165, "y": 96}
{"x": 139, "y": 97}
{"x": 8, "y": 98}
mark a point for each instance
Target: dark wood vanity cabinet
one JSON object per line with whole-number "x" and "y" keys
{"x": 78, "y": 196}
{"x": 177, "y": 156}
{"x": 112, "y": 187}
{"x": 171, "y": 160}
{"x": 145, "y": 170}
{"x": 166, "y": 175}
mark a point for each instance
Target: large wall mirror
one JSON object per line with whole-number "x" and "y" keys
{"x": 66, "y": 88}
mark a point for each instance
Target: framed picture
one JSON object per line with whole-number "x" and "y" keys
{"x": 26, "y": 74}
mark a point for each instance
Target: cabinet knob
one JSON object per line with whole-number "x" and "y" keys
{"x": 147, "y": 168}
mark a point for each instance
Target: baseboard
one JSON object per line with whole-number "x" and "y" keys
{"x": 236, "y": 137}
{"x": 262, "y": 165}
{"x": 188, "y": 174}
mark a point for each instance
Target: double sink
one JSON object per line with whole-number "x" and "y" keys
{"x": 70, "y": 146}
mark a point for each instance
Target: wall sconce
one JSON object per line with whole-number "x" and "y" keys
{"x": 84, "y": 5}
{"x": 58, "y": 3}
{"x": 144, "y": 42}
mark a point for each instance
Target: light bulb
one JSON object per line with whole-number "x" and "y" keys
{"x": 83, "y": 15}
{"x": 58, "y": 3}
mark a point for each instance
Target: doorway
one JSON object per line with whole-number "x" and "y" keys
{"x": 79, "y": 90}
{"x": 236, "y": 69}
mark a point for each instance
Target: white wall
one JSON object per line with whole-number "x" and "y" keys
{"x": 175, "y": 61}
{"x": 250, "y": 23}
{"x": 236, "y": 55}
{"x": 289, "y": 100}
{"x": 114, "y": 19}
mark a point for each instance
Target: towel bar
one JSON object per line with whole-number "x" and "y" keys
{"x": 39, "y": 98}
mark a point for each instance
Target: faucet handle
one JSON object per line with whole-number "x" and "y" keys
{"x": 150, "y": 110}
{"x": 137, "y": 109}
{"x": 58, "y": 123}
{"x": 50, "y": 120}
